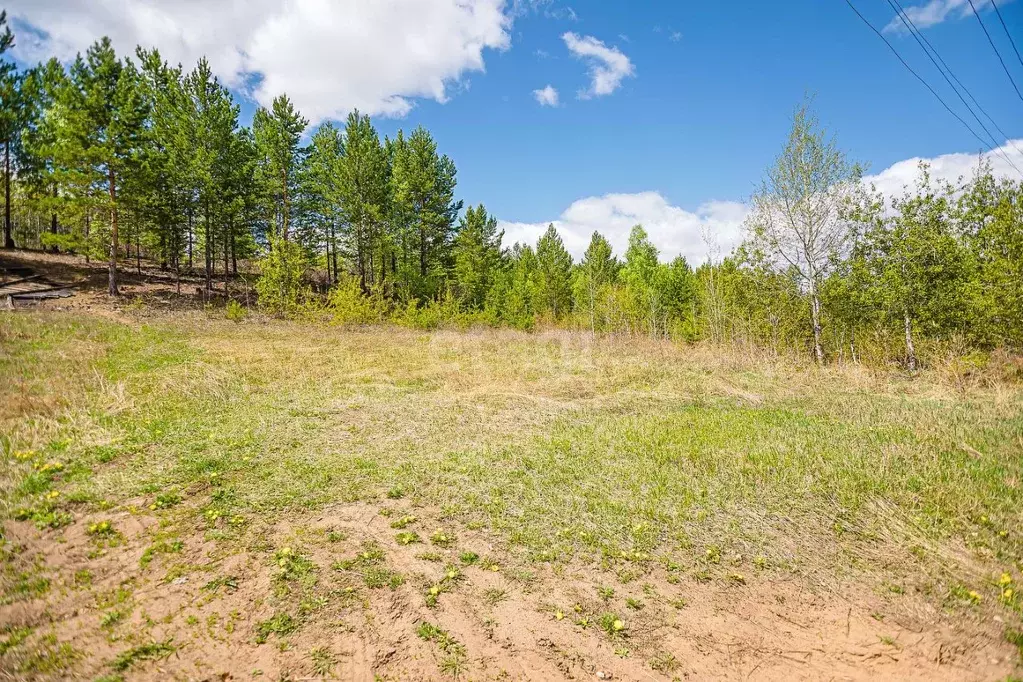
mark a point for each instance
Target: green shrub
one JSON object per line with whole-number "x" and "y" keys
{"x": 280, "y": 285}
{"x": 349, "y": 305}
{"x": 235, "y": 311}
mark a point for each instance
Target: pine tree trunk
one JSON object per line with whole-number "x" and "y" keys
{"x": 815, "y": 313}
{"x": 422, "y": 252}
{"x": 284, "y": 215}
{"x": 190, "y": 240}
{"x": 234, "y": 256}
{"x": 54, "y": 225}
{"x": 207, "y": 246}
{"x": 334, "y": 253}
{"x": 8, "y": 237}
{"x": 910, "y": 349}
{"x": 138, "y": 251}
{"x": 230, "y": 227}
{"x": 327, "y": 256}
{"x": 87, "y": 228}
{"x": 112, "y": 185}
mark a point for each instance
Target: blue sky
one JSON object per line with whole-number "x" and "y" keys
{"x": 701, "y": 112}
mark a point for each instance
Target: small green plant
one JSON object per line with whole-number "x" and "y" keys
{"x": 442, "y": 538}
{"x": 228, "y": 582}
{"x": 15, "y": 636}
{"x": 101, "y": 529}
{"x": 407, "y": 537}
{"x": 606, "y": 593}
{"x": 376, "y": 578}
{"x": 1015, "y": 638}
{"x": 612, "y": 625}
{"x": 469, "y": 558}
{"x": 371, "y": 554}
{"x": 677, "y": 602}
{"x": 235, "y": 311}
{"x": 323, "y": 661}
{"x": 453, "y": 662}
{"x": 664, "y": 662}
{"x": 45, "y": 515}
{"x": 634, "y": 604}
{"x": 960, "y": 594}
{"x": 403, "y": 522}
{"x": 160, "y": 547}
{"x": 152, "y": 651}
{"x": 430, "y": 556}
{"x": 494, "y": 595}
{"x": 281, "y": 624}
{"x": 396, "y": 493}
{"x": 111, "y": 618}
{"x": 293, "y": 566}
{"x": 165, "y": 501}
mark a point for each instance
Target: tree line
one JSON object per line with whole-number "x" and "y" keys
{"x": 132, "y": 159}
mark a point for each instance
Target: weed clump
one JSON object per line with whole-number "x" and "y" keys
{"x": 281, "y": 624}
{"x": 152, "y": 651}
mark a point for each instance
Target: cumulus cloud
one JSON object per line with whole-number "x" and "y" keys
{"x": 330, "y": 56}
{"x": 935, "y": 12}
{"x": 608, "y": 65}
{"x": 547, "y": 97}
{"x": 674, "y": 230}
{"x": 951, "y": 167}
{"x": 719, "y": 224}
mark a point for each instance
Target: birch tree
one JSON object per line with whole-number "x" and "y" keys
{"x": 796, "y": 217}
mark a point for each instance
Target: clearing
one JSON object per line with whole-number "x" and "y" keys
{"x": 186, "y": 497}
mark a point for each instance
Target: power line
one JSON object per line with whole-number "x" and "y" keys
{"x": 918, "y": 77}
{"x": 1007, "y": 34}
{"x": 995, "y": 48}
{"x": 956, "y": 79}
{"x": 924, "y": 45}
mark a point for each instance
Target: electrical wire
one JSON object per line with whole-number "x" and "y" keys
{"x": 995, "y": 48}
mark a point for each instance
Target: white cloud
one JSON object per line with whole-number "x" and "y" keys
{"x": 547, "y": 97}
{"x": 675, "y": 231}
{"x": 935, "y": 12}
{"x": 330, "y": 56}
{"x": 951, "y": 167}
{"x": 608, "y": 65}
{"x": 675, "y": 36}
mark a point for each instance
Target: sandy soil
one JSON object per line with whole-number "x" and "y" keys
{"x": 513, "y": 622}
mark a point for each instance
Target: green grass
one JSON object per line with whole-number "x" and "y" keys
{"x": 631, "y": 453}
{"x": 281, "y": 624}
{"x": 152, "y": 651}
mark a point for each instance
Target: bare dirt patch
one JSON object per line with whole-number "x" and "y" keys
{"x": 337, "y": 595}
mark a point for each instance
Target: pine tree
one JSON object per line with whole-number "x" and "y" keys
{"x": 477, "y": 256}
{"x": 103, "y": 114}
{"x": 277, "y": 132}
{"x": 423, "y": 185}
{"x": 597, "y": 271}
{"x": 321, "y": 193}
{"x": 14, "y": 110}
{"x": 213, "y": 124}
{"x": 362, "y": 189}
{"x": 553, "y": 275}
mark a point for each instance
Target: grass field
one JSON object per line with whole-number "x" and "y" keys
{"x": 470, "y": 480}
